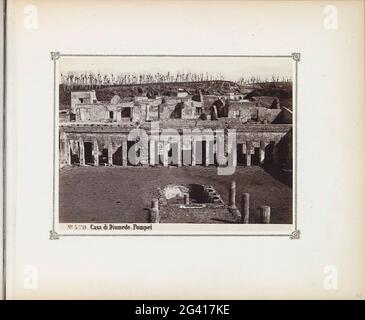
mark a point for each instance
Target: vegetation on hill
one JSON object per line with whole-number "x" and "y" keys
{"x": 281, "y": 90}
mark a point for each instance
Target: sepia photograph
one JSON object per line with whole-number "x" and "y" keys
{"x": 166, "y": 139}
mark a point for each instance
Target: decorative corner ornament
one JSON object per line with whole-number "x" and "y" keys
{"x": 53, "y": 235}
{"x": 55, "y": 55}
{"x": 295, "y": 235}
{"x": 296, "y": 56}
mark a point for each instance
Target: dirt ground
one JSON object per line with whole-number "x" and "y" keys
{"x": 121, "y": 195}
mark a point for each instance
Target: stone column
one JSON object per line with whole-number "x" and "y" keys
{"x": 219, "y": 148}
{"x": 179, "y": 152}
{"x": 226, "y": 151}
{"x": 262, "y": 152}
{"x": 165, "y": 154}
{"x": 245, "y": 208}
{"x": 68, "y": 152}
{"x": 144, "y": 154}
{"x": 232, "y": 196}
{"x": 264, "y": 214}
{"x": 207, "y": 152}
{"x": 186, "y": 199}
{"x": 81, "y": 152}
{"x": 152, "y": 152}
{"x": 96, "y": 152}
{"x": 110, "y": 153}
{"x": 248, "y": 153}
{"x": 154, "y": 212}
{"x": 64, "y": 146}
{"x": 193, "y": 152}
{"x": 125, "y": 153}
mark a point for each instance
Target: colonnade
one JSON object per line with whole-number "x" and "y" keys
{"x": 157, "y": 152}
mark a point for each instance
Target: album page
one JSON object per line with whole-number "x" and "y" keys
{"x": 184, "y": 150}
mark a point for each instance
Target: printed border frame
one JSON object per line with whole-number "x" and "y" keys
{"x": 294, "y": 235}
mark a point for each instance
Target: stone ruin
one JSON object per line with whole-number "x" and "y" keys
{"x": 200, "y": 203}
{"x": 189, "y": 195}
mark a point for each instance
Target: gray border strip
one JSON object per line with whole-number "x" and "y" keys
{"x": 58, "y": 54}
{"x": 55, "y": 55}
{"x": 3, "y": 160}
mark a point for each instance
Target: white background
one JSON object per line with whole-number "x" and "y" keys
{"x": 330, "y": 153}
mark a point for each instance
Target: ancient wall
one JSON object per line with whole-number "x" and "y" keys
{"x": 286, "y": 115}
{"x": 86, "y": 97}
{"x": 283, "y": 153}
{"x": 169, "y": 110}
{"x": 267, "y": 115}
{"x": 91, "y": 112}
{"x": 243, "y": 113}
{"x": 267, "y": 102}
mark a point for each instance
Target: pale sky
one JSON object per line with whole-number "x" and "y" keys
{"x": 232, "y": 68}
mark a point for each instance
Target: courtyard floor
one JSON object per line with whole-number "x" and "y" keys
{"x": 122, "y": 195}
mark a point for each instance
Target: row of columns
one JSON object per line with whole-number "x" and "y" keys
{"x": 149, "y": 158}
{"x": 264, "y": 211}
{"x": 249, "y": 150}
